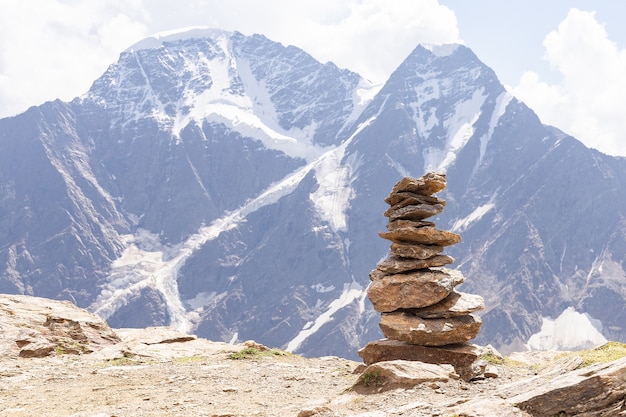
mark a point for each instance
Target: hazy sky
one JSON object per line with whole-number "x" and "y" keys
{"x": 565, "y": 59}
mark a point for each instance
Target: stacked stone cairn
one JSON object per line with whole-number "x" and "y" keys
{"x": 423, "y": 317}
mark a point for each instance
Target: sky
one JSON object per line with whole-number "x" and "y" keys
{"x": 564, "y": 58}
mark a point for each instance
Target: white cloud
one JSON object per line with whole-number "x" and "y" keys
{"x": 371, "y": 37}
{"x": 588, "y": 102}
{"x": 56, "y": 48}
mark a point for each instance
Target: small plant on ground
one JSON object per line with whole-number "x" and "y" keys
{"x": 370, "y": 379}
{"x": 606, "y": 353}
{"x": 498, "y": 360}
{"x": 250, "y": 352}
{"x": 492, "y": 359}
{"x": 123, "y": 361}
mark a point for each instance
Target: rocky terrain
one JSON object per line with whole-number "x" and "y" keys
{"x": 59, "y": 360}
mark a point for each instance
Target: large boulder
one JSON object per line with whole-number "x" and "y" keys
{"x": 459, "y": 355}
{"x": 597, "y": 390}
{"x": 403, "y": 374}
{"x": 592, "y": 391}
{"x": 35, "y": 327}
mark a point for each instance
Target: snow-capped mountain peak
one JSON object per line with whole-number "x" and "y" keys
{"x": 234, "y": 187}
{"x": 194, "y": 32}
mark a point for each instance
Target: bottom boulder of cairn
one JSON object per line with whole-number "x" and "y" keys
{"x": 423, "y": 317}
{"x": 464, "y": 357}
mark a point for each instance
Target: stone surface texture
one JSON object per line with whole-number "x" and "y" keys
{"x": 419, "y": 289}
{"x": 412, "y": 329}
{"x": 54, "y": 326}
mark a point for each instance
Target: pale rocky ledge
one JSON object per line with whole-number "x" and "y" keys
{"x": 59, "y": 360}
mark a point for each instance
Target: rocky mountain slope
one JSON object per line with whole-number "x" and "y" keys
{"x": 232, "y": 187}
{"x": 160, "y": 371}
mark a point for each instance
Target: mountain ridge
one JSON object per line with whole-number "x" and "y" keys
{"x": 234, "y": 186}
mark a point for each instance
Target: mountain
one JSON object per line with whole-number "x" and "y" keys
{"x": 233, "y": 187}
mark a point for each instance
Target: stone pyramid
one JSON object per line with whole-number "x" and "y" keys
{"x": 423, "y": 317}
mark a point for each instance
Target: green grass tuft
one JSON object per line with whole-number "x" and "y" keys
{"x": 608, "y": 352}
{"x": 370, "y": 379}
{"x": 250, "y": 353}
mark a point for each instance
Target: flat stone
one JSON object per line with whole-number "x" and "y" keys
{"x": 427, "y": 184}
{"x": 596, "y": 390}
{"x": 37, "y": 349}
{"x": 491, "y": 372}
{"x": 421, "y": 235}
{"x": 397, "y": 224}
{"x": 459, "y": 355}
{"x": 404, "y": 374}
{"x": 416, "y": 290}
{"x": 488, "y": 407}
{"x": 376, "y": 274}
{"x": 155, "y": 335}
{"x": 429, "y": 332}
{"x": 464, "y": 357}
{"x": 454, "y": 305}
{"x": 405, "y": 198}
{"x": 413, "y": 212}
{"x": 319, "y": 411}
{"x": 397, "y": 264}
{"x": 413, "y": 250}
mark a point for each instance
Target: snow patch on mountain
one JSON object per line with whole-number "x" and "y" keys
{"x": 460, "y": 128}
{"x": 362, "y": 96}
{"x": 251, "y": 114}
{"x": 334, "y": 177}
{"x": 460, "y": 225}
{"x": 333, "y": 195}
{"x": 203, "y": 299}
{"x": 424, "y": 113}
{"x": 570, "y": 331}
{"x": 249, "y": 125}
{"x": 502, "y": 102}
{"x": 321, "y": 288}
{"x": 351, "y": 292}
{"x": 144, "y": 263}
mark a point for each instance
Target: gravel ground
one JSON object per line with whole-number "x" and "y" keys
{"x": 200, "y": 378}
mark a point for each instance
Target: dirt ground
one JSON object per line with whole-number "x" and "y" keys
{"x": 201, "y": 378}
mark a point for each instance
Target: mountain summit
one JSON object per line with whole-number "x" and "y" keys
{"x": 233, "y": 187}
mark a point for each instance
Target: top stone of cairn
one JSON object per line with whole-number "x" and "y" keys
{"x": 428, "y": 184}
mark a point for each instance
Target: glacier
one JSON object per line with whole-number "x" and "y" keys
{"x": 571, "y": 330}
